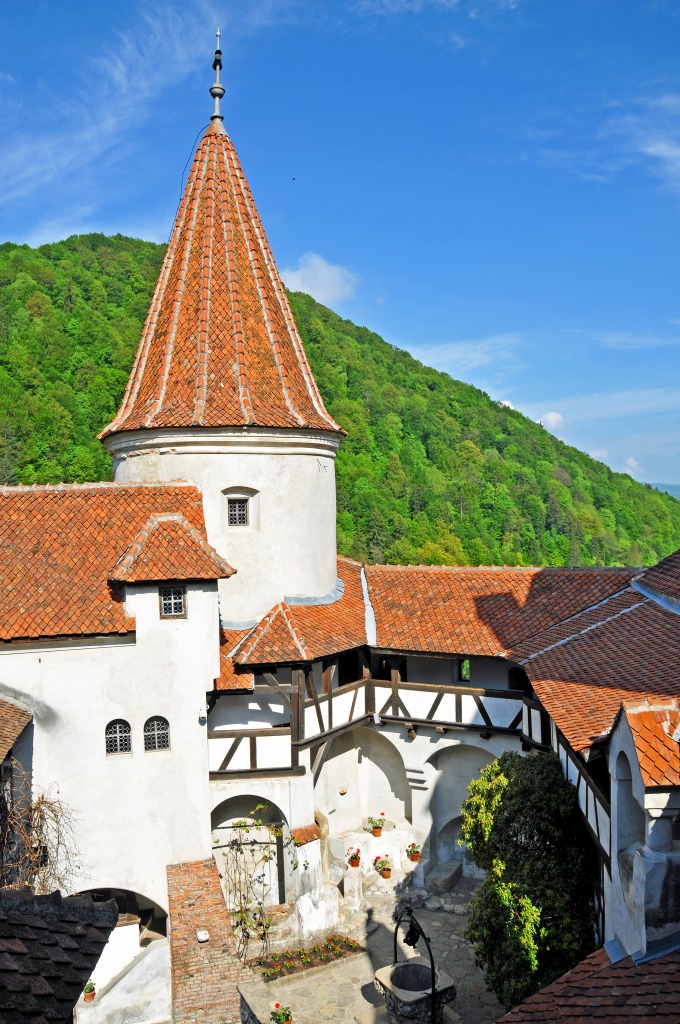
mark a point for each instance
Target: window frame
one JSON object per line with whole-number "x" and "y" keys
{"x": 464, "y": 675}
{"x": 172, "y": 586}
{"x": 155, "y": 734}
{"x": 128, "y": 735}
{"x": 241, "y": 499}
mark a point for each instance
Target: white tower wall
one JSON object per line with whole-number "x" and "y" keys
{"x": 288, "y": 548}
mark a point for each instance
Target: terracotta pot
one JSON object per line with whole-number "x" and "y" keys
{"x": 88, "y": 997}
{"x": 354, "y": 862}
{"x": 415, "y": 857}
{"x": 386, "y": 872}
{"x": 377, "y": 832}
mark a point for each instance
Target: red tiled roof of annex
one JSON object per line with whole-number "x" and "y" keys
{"x": 220, "y": 347}
{"x": 664, "y": 577}
{"x": 582, "y": 669}
{"x": 168, "y": 547}
{"x": 13, "y": 721}
{"x": 290, "y": 633}
{"x": 597, "y": 990}
{"x": 481, "y": 611}
{"x": 230, "y": 678}
{"x": 60, "y": 548}
{"x": 655, "y": 726}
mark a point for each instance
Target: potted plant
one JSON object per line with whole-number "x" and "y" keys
{"x": 413, "y": 852}
{"x": 88, "y": 991}
{"x": 354, "y": 857}
{"x": 377, "y": 824}
{"x": 382, "y": 864}
{"x": 281, "y": 1014}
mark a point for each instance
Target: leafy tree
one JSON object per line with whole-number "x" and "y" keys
{"x": 532, "y": 918}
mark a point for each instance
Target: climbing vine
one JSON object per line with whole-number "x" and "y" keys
{"x": 245, "y": 863}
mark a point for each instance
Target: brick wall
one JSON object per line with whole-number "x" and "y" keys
{"x": 204, "y": 974}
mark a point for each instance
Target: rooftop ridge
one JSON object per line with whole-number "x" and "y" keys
{"x": 129, "y": 558}
{"x": 572, "y": 569}
{"x": 102, "y": 485}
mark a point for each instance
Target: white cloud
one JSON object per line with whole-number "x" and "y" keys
{"x": 602, "y": 405}
{"x": 326, "y": 282}
{"x": 599, "y": 453}
{"x": 633, "y": 465}
{"x": 505, "y": 404}
{"x": 553, "y": 420}
{"x": 626, "y": 341}
{"x": 459, "y": 357}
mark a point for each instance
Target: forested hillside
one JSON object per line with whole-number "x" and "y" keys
{"x": 431, "y": 471}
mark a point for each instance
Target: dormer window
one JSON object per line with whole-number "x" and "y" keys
{"x": 173, "y": 602}
{"x": 237, "y": 511}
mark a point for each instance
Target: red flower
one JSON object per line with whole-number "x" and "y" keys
{"x": 382, "y": 814}
{"x": 277, "y": 1006}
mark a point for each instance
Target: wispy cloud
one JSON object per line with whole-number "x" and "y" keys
{"x": 473, "y": 9}
{"x": 459, "y": 357}
{"x": 553, "y": 420}
{"x": 601, "y": 142}
{"x": 632, "y": 465}
{"x": 603, "y": 405}
{"x": 326, "y": 282}
{"x": 627, "y": 341}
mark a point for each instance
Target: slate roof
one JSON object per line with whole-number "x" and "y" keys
{"x": 60, "y": 547}
{"x": 597, "y": 991}
{"x": 480, "y": 611}
{"x": 655, "y": 726}
{"x": 220, "y": 347}
{"x": 293, "y": 633}
{"x": 49, "y": 947}
{"x": 664, "y": 577}
{"x": 168, "y": 547}
{"x": 626, "y": 647}
{"x": 13, "y": 721}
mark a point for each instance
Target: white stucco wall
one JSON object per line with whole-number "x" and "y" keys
{"x": 134, "y": 813}
{"x": 290, "y": 548}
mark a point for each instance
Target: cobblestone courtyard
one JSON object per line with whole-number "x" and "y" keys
{"x": 343, "y": 992}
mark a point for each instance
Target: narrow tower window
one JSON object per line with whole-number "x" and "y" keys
{"x": 237, "y": 511}
{"x": 173, "y": 602}
{"x": 118, "y": 736}
{"x": 157, "y": 734}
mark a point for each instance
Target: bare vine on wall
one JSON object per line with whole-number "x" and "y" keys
{"x": 37, "y": 836}
{"x": 246, "y": 863}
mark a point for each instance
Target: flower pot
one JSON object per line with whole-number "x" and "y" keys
{"x": 88, "y": 997}
{"x": 386, "y": 872}
{"x": 354, "y": 862}
{"x": 377, "y": 832}
{"x": 415, "y": 857}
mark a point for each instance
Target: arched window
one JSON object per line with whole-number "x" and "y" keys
{"x": 118, "y": 737}
{"x": 157, "y": 734}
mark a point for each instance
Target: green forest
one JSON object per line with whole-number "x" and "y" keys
{"x": 432, "y": 470}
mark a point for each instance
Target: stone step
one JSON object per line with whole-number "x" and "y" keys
{"x": 442, "y": 879}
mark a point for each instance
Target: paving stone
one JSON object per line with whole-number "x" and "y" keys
{"x": 443, "y": 878}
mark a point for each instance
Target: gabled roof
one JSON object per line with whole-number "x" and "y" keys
{"x": 168, "y": 547}
{"x": 230, "y": 678}
{"x": 608, "y": 993}
{"x": 293, "y": 633}
{"x": 13, "y": 721}
{"x": 481, "y": 611}
{"x": 220, "y": 347}
{"x": 583, "y": 668}
{"x": 49, "y": 947}
{"x": 60, "y": 547}
{"x": 655, "y": 726}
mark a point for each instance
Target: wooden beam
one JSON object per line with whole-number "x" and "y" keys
{"x": 230, "y": 753}
{"x": 226, "y": 734}
{"x": 273, "y": 684}
{"x": 319, "y": 759}
{"x": 258, "y": 774}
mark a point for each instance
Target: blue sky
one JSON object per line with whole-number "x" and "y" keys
{"x": 492, "y": 184}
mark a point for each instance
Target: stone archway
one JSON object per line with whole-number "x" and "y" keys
{"x": 456, "y": 767}
{"x": 362, "y": 775}
{"x": 265, "y": 856}
{"x": 141, "y": 922}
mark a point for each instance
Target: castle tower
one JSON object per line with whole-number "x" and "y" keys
{"x": 221, "y": 394}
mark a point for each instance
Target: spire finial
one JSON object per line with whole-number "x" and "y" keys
{"x": 217, "y": 89}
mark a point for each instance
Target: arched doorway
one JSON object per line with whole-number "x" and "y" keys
{"x": 630, "y": 817}
{"x": 249, "y": 845}
{"x": 456, "y": 767}
{"x": 141, "y": 922}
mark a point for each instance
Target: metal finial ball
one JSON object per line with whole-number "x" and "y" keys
{"x": 217, "y": 90}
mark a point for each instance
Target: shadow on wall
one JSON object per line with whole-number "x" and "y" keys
{"x": 456, "y": 767}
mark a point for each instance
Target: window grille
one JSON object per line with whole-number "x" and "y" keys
{"x": 173, "y": 602}
{"x": 157, "y": 734}
{"x": 237, "y": 511}
{"x": 118, "y": 737}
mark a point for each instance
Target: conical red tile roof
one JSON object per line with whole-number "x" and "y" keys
{"x": 220, "y": 347}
